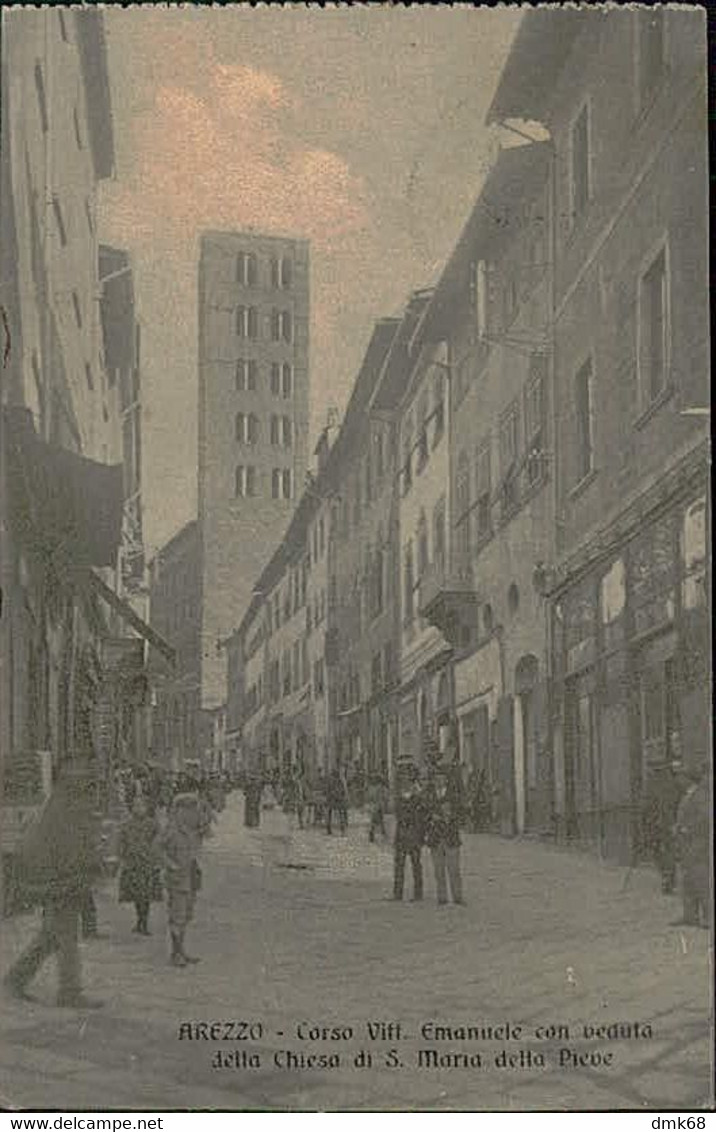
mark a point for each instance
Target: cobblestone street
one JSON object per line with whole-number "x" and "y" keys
{"x": 304, "y": 935}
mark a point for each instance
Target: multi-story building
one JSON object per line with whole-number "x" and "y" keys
{"x": 317, "y": 539}
{"x": 61, "y": 490}
{"x": 361, "y": 654}
{"x": 413, "y": 389}
{"x": 175, "y": 614}
{"x": 122, "y": 359}
{"x": 491, "y": 306}
{"x": 253, "y": 425}
{"x": 624, "y": 101}
{"x": 269, "y": 699}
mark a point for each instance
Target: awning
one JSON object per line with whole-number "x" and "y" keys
{"x": 63, "y": 506}
{"x": 125, "y": 611}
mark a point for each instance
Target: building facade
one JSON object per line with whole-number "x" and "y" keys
{"x": 491, "y": 307}
{"x": 624, "y": 103}
{"x": 174, "y": 592}
{"x": 413, "y": 391}
{"x": 253, "y": 425}
{"x": 72, "y": 648}
{"x": 361, "y": 653}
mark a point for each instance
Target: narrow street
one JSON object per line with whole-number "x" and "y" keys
{"x": 548, "y": 938}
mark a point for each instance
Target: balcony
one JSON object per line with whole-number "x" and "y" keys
{"x": 448, "y": 598}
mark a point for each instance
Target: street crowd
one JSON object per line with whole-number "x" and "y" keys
{"x": 165, "y": 822}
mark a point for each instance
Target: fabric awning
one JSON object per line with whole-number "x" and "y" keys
{"x": 62, "y": 505}
{"x": 125, "y": 611}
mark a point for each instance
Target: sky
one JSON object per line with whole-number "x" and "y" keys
{"x": 358, "y": 128}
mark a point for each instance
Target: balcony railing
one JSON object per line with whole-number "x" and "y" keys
{"x": 446, "y": 595}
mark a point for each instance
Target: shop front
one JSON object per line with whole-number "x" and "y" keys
{"x": 631, "y": 653}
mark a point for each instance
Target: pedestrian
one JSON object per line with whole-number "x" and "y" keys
{"x": 180, "y": 845}
{"x": 59, "y": 862}
{"x": 253, "y": 790}
{"x": 140, "y": 877}
{"x": 377, "y": 802}
{"x": 409, "y": 832}
{"x": 337, "y": 799}
{"x": 693, "y": 840}
{"x": 442, "y": 836}
{"x": 664, "y": 792}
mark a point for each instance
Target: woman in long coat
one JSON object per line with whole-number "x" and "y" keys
{"x": 139, "y": 878}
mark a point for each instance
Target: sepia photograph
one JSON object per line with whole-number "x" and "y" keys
{"x": 355, "y": 562}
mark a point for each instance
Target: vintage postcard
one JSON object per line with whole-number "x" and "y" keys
{"x": 355, "y": 683}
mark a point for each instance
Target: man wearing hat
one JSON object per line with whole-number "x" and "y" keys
{"x": 442, "y": 835}
{"x": 59, "y": 861}
{"x": 409, "y": 831}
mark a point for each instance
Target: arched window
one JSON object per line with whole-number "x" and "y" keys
{"x": 240, "y": 427}
{"x": 252, "y": 428}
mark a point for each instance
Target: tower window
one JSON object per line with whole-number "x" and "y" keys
{"x": 247, "y": 322}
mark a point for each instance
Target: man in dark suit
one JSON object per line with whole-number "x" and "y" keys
{"x": 409, "y": 831}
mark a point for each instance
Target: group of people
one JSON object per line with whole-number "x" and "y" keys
{"x": 322, "y": 800}
{"x": 60, "y": 862}
{"x": 428, "y": 815}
